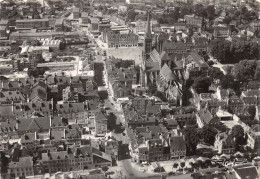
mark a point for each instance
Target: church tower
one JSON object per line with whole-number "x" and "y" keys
{"x": 148, "y": 38}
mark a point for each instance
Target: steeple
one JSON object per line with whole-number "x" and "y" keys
{"x": 148, "y": 25}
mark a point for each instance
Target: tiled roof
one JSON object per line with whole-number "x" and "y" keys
{"x": 205, "y": 116}
{"x": 28, "y": 124}
{"x": 24, "y": 162}
{"x": 11, "y": 96}
{"x": 70, "y": 108}
{"x": 100, "y": 116}
{"x": 177, "y": 143}
{"x": 167, "y": 73}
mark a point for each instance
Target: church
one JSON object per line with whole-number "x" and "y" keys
{"x": 161, "y": 69}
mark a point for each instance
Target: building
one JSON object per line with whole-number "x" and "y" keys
{"x": 75, "y": 13}
{"x": 23, "y": 167}
{"x": 53, "y": 45}
{"x": 74, "y": 158}
{"x": 84, "y": 19}
{"x": 100, "y": 124}
{"x": 116, "y": 40}
{"x": 253, "y": 140}
{"x": 177, "y": 147}
{"x": 224, "y": 143}
{"x": 94, "y": 23}
{"x": 32, "y": 24}
{"x": 203, "y": 117}
{"x": 221, "y": 32}
{"x": 59, "y": 25}
{"x": 194, "y": 20}
{"x": 3, "y": 33}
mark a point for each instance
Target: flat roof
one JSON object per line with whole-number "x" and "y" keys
{"x": 32, "y": 20}
{"x": 3, "y": 22}
{"x": 59, "y": 21}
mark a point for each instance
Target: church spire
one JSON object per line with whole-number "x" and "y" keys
{"x": 148, "y": 25}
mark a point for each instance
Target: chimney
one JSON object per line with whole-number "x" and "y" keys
{"x": 17, "y": 124}
{"x": 50, "y": 121}
{"x": 64, "y": 134}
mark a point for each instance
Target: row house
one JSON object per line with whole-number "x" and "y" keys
{"x": 161, "y": 149}
{"x": 32, "y": 24}
{"x": 194, "y": 20}
{"x": 10, "y": 97}
{"x": 135, "y": 120}
{"x": 23, "y": 167}
{"x": 224, "y": 143}
{"x": 74, "y": 158}
{"x": 253, "y": 140}
{"x": 28, "y": 109}
{"x": 221, "y": 32}
{"x": 121, "y": 40}
{"x": 76, "y": 113}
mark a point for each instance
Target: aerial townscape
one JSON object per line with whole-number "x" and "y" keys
{"x": 129, "y": 89}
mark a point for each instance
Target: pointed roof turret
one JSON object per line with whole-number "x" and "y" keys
{"x": 148, "y": 25}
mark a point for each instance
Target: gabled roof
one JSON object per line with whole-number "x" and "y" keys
{"x": 154, "y": 56}
{"x": 167, "y": 73}
{"x": 28, "y": 124}
{"x": 177, "y": 143}
{"x": 205, "y": 116}
{"x": 100, "y": 116}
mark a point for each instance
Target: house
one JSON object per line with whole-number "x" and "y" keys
{"x": 101, "y": 159}
{"x": 111, "y": 147}
{"x": 221, "y": 32}
{"x": 235, "y": 104}
{"x": 76, "y": 113}
{"x": 203, "y": 117}
{"x": 224, "y": 143}
{"x": 74, "y": 158}
{"x": 222, "y": 94}
{"x": 8, "y": 97}
{"x": 100, "y": 124}
{"x": 224, "y": 115}
{"x": 177, "y": 147}
{"x": 194, "y": 20}
{"x": 30, "y": 140}
{"x": 158, "y": 150}
{"x": 23, "y": 167}
{"x": 35, "y": 124}
{"x": 38, "y": 92}
{"x": 253, "y": 140}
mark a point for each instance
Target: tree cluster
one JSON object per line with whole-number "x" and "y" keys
{"x": 36, "y": 72}
{"x": 233, "y": 52}
{"x": 246, "y": 70}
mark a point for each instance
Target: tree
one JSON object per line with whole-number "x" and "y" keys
{"x": 220, "y": 49}
{"x": 245, "y": 70}
{"x": 104, "y": 168}
{"x": 210, "y": 12}
{"x": 208, "y": 134}
{"x": 191, "y": 139}
{"x": 237, "y": 133}
{"x": 199, "y": 10}
{"x": 175, "y": 165}
{"x": 215, "y": 73}
{"x": 182, "y": 165}
{"x": 201, "y": 84}
{"x": 190, "y": 122}
{"x": 131, "y": 15}
{"x": 252, "y": 112}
